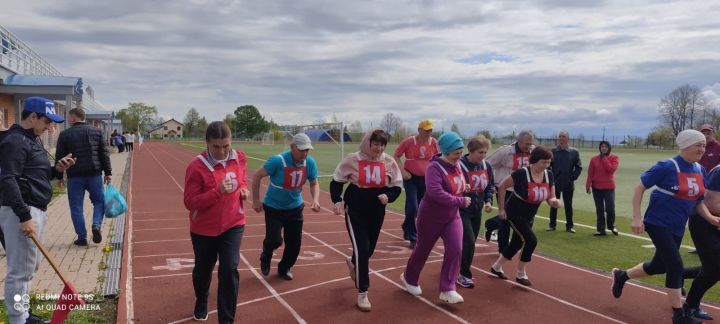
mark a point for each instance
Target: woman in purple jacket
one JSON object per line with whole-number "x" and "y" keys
{"x": 439, "y": 216}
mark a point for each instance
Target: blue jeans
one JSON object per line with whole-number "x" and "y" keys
{"x": 76, "y": 187}
{"x": 414, "y": 192}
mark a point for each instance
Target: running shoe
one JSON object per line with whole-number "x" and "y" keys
{"x": 465, "y": 282}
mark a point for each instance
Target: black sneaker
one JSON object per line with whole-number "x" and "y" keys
{"x": 287, "y": 275}
{"x": 699, "y": 313}
{"x": 97, "y": 235}
{"x": 685, "y": 319}
{"x": 615, "y": 231}
{"x": 550, "y": 229}
{"x": 599, "y": 233}
{"x": 570, "y": 230}
{"x": 499, "y": 274}
{"x": 80, "y": 242}
{"x": 265, "y": 264}
{"x": 618, "y": 282}
{"x": 524, "y": 281}
{"x": 488, "y": 235}
{"x": 200, "y": 313}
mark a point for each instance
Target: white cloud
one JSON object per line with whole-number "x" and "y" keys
{"x": 545, "y": 65}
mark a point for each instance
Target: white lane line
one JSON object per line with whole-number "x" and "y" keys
{"x": 432, "y": 304}
{"x": 273, "y": 291}
{"x": 621, "y": 233}
{"x": 244, "y": 236}
{"x": 129, "y": 303}
{"x": 434, "y": 259}
{"x": 242, "y": 257}
{"x": 537, "y": 291}
{"x": 423, "y": 299}
{"x": 379, "y": 243}
{"x": 387, "y": 279}
{"x": 547, "y": 295}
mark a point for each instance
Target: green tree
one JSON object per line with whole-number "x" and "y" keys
{"x": 229, "y": 119}
{"x": 137, "y": 115}
{"x": 191, "y": 123}
{"x": 248, "y": 121}
{"x": 201, "y": 126}
{"x": 661, "y": 136}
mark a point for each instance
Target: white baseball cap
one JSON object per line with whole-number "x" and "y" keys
{"x": 302, "y": 142}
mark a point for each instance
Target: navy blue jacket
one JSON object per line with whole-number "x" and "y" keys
{"x": 478, "y": 199}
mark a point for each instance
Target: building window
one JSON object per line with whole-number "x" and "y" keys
{"x": 178, "y": 128}
{"x": 165, "y": 127}
{"x": 5, "y": 117}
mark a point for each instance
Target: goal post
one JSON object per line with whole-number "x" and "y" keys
{"x": 268, "y": 138}
{"x": 328, "y": 141}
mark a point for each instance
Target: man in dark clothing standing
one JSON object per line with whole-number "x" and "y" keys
{"x": 87, "y": 145}
{"x": 25, "y": 174}
{"x": 566, "y": 168}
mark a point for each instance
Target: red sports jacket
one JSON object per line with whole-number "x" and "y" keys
{"x": 212, "y": 212}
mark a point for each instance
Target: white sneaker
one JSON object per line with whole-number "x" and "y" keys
{"x": 363, "y": 302}
{"x": 451, "y": 297}
{"x": 413, "y": 290}
{"x": 351, "y": 268}
{"x": 493, "y": 236}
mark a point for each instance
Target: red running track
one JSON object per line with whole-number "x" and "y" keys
{"x": 158, "y": 286}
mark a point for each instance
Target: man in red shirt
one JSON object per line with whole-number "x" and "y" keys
{"x": 418, "y": 150}
{"x": 711, "y": 158}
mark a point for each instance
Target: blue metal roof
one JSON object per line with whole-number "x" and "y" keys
{"x": 36, "y": 80}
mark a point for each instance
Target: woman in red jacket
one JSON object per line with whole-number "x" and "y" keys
{"x": 215, "y": 187}
{"x": 601, "y": 182}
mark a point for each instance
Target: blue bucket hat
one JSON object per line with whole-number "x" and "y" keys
{"x": 44, "y": 107}
{"x": 449, "y": 142}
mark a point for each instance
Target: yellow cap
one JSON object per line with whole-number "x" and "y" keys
{"x": 425, "y": 125}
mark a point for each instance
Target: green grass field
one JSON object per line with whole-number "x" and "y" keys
{"x": 598, "y": 253}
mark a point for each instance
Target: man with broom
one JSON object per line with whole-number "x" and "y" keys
{"x": 25, "y": 173}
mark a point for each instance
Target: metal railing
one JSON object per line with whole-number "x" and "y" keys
{"x": 19, "y": 58}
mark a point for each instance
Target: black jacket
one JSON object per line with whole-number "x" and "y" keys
{"x": 86, "y": 143}
{"x": 25, "y": 172}
{"x": 478, "y": 199}
{"x": 566, "y": 166}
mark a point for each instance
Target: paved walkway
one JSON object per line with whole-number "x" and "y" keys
{"x": 81, "y": 265}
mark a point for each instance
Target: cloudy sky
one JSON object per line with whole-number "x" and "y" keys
{"x": 580, "y": 65}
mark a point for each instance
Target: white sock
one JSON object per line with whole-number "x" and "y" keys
{"x": 522, "y": 275}
{"x": 497, "y": 267}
